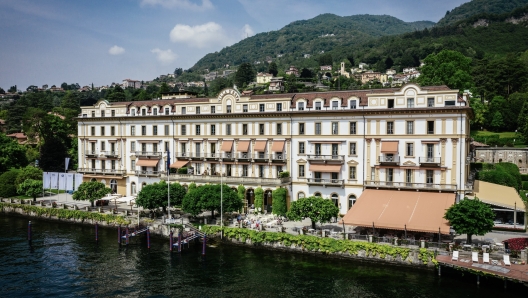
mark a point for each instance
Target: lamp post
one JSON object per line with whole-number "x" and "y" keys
{"x": 168, "y": 186}
{"x": 221, "y": 199}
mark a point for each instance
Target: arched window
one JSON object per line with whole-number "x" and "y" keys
{"x": 300, "y": 195}
{"x": 317, "y": 194}
{"x": 351, "y": 201}
{"x": 113, "y": 185}
{"x": 93, "y": 180}
{"x": 133, "y": 188}
{"x": 143, "y": 185}
{"x": 335, "y": 199}
{"x": 103, "y": 181}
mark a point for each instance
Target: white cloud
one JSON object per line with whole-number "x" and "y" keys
{"x": 183, "y": 4}
{"x": 165, "y": 57}
{"x": 247, "y": 31}
{"x": 200, "y": 36}
{"x": 116, "y": 50}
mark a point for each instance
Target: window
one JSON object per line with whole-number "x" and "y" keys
{"x": 154, "y": 147}
{"x": 410, "y": 102}
{"x": 261, "y": 129}
{"x": 408, "y": 176}
{"x": 317, "y": 128}
{"x": 317, "y": 176}
{"x": 301, "y": 147}
{"x": 197, "y": 149}
{"x": 183, "y": 147}
{"x": 261, "y": 171}
{"x": 244, "y": 170}
{"x": 430, "y": 152}
{"x": 143, "y": 130}
{"x": 244, "y": 129}
{"x": 133, "y": 187}
{"x": 102, "y": 113}
{"x": 166, "y": 146}
{"x": 112, "y": 112}
{"x": 228, "y": 108}
{"x": 155, "y": 111}
{"x": 279, "y": 170}
{"x": 213, "y": 129}
{"x": 198, "y": 129}
{"x": 228, "y": 129}
{"x": 335, "y": 128}
{"x": 261, "y": 107}
{"x": 93, "y": 165}
{"x": 409, "y": 149}
{"x": 155, "y": 130}
{"x": 133, "y": 146}
{"x": 390, "y": 128}
{"x": 335, "y": 104}
{"x": 390, "y": 103}
{"x": 167, "y": 111}
{"x": 197, "y": 110}
{"x": 279, "y": 107}
{"x": 213, "y": 109}
{"x": 244, "y": 108}
{"x": 132, "y": 130}
{"x": 410, "y": 127}
{"x": 317, "y": 105}
{"x": 133, "y": 165}
{"x": 300, "y": 106}
{"x": 102, "y": 130}
{"x": 352, "y": 104}
{"x": 300, "y": 195}
{"x": 335, "y": 150}
{"x": 112, "y": 166}
{"x": 279, "y": 128}
{"x": 335, "y": 199}
{"x": 93, "y": 130}
{"x": 112, "y": 130}
{"x": 166, "y": 130}
{"x": 351, "y": 201}
{"x": 317, "y": 194}
{"x": 352, "y": 149}
{"x": 93, "y": 148}
{"x": 390, "y": 177}
{"x": 103, "y": 145}
{"x": 93, "y": 114}
{"x": 143, "y": 112}
{"x": 430, "y": 127}
{"x": 197, "y": 167}
{"x": 352, "y": 173}
{"x": 184, "y": 110}
{"x": 317, "y": 149}
{"x": 133, "y": 112}
{"x": 353, "y": 126}
{"x": 184, "y": 130}
{"x": 430, "y": 102}
{"x": 429, "y": 176}
{"x": 143, "y": 147}
{"x": 301, "y": 128}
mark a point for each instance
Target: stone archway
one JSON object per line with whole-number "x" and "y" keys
{"x": 250, "y": 199}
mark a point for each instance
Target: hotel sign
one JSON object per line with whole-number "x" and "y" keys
{"x": 227, "y": 92}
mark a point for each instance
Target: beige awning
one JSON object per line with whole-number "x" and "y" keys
{"x": 389, "y": 147}
{"x": 326, "y": 168}
{"x": 227, "y": 146}
{"x": 498, "y": 195}
{"x": 243, "y": 146}
{"x": 179, "y": 164}
{"x": 147, "y": 162}
{"x": 260, "y": 146}
{"x": 278, "y": 146}
{"x": 400, "y": 210}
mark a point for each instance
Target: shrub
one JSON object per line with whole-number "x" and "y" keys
{"x": 525, "y": 185}
{"x": 279, "y": 201}
{"x": 517, "y": 243}
{"x": 182, "y": 170}
{"x": 476, "y": 166}
{"x": 503, "y": 173}
{"x": 7, "y": 183}
{"x": 285, "y": 174}
{"x": 259, "y": 198}
{"x": 524, "y": 177}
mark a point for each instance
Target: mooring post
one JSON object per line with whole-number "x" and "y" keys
{"x": 119, "y": 234}
{"x": 203, "y": 245}
{"x": 179, "y": 241}
{"x": 29, "y": 231}
{"x": 96, "y": 232}
{"x": 439, "y": 270}
{"x": 170, "y": 240}
{"x": 148, "y": 237}
{"x": 126, "y": 236}
{"x": 478, "y": 279}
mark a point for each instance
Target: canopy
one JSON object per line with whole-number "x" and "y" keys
{"x": 179, "y": 164}
{"x": 227, "y": 146}
{"x": 400, "y": 210}
{"x": 243, "y": 146}
{"x": 498, "y": 195}
{"x": 278, "y": 146}
{"x": 126, "y": 199}
{"x": 389, "y": 147}
{"x": 147, "y": 162}
{"x": 326, "y": 168}
{"x": 108, "y": 198}
{"x": 260, "y": 146}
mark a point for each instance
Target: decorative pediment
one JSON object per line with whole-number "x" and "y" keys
{"x": 409, "y": 163}
{"x": 352, "y": 163}
{"x": 301, "y": 161}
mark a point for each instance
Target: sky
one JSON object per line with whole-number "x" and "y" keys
{"x": 105, "y": 41}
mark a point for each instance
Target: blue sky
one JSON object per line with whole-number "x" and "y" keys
{"x": 105, "y": 41}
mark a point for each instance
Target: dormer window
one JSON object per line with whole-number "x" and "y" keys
{"x": 301, "y": 106}
{"x": 353, "y": 104}
{"x": 144, "y": 112}
{"x": 197, "y": 110}
{"x": 228, "y": 108}
{"x": 335, "y": 104}
{"x": 317, "y": 105}
{"x": 93, "y": 114}
{"x": 102, "y": 113}
{"x": 133, "y": 112}
{"x": 155, "y": 110}
{"x": 167, "y": 111}
{"x": 184, "y": 110}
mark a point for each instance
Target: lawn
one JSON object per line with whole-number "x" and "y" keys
{"x": 506, "y": 134}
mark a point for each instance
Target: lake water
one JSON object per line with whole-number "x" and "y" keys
{"x": 65, "y": 261}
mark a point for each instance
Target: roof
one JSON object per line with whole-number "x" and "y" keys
{"x": 479, "y": 144}
{"x": 401, "y": 210}
{"x": 498, "y": 195}
{"x": 18, "y": 135}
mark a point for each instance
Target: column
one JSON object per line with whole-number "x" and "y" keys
{"x": 235, "y": 150}
{"x": 378, "y": 149}
{"x": 368, "y": 166}
{"x": 454, "y": 173}
{"x": 442, "y": 157}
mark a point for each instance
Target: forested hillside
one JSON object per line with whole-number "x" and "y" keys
{"x": 476, "y": 7}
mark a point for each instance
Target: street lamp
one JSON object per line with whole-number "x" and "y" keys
{"x": 221, "y": 199}
{"x": 168, "y": 185}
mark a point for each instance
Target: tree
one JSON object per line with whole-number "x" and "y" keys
{"x": 164, "y": 88}
{"x": 31, "y": 188}
{"x": 273, "y": 69}
{"x": 12, "y": 89}
{"x": 389, "y": 63}
{"x": 259, "y": 199}
{"x": 91, "y": 191}
{"x": 241, "y": 192}
{"x": 449, "y": 68}
{"x": 7, "y": 182}
{"x": 350, "y": 58}
{"x": 279, "y": 201}
{"x": 153, "y": 196}
{"x": 470, "y": 217}
{"x": 306, "y": 73}
{"x": 116, "y": 95}
{"x": 207, "y": 197}
{"x": 245, "y": 74}
{"x": 12, "y": 154}
{"x": 497, "y": 123}
{"x": 2, "y": 91}
{"x": 28, "y": 173}
{"x": 177, "y": 193}
{"x": 178, "y": 71}
{"x": 316, "y": 209}
{"x": 326, "y": 59}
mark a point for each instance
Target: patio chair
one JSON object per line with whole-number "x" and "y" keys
{"x": 455, "y": 256}
{"x": 506, "y": 260}
{"x": 486, "y": 258}
{"x": 474, "y": 256}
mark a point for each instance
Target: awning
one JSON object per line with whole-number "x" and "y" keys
{"x": 389, "y": 147}
{"x": 147, "y": 162}
{"x": 260, "y": 146}
{"x": 278, "y": 146}
{"x": 400, "y": 210}
{"x": 243, "y": 146}
{"x": 326, "y": 168}
{"x": 498, "y": 195}
{"x": 179, "y": 164}
{"x": 227, "y": 146}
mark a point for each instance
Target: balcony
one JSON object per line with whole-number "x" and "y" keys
{"x": 408, "y": 185}
{"x": 91, "y": 153}
{"x": 110, "y": 154}
{"x": 430, "y": 161}
{"x": 148, "y": 173}
{"x": 182, "y": 155}
{"x": 92, "y": 171}
{"x": 228, "y": 156}
{"x": 243, "y": 156}
{"x": 260, "y": 157}
{"x": 325, "y": 182}
{"x": 196, "y": 156}
{"x": 389, "y": 160}
{"x": 212, "y": 156}
{"x": 330, "y": 159}
{"x": 148, "y": 154}
{"x": 229, "y": 180}
{"x": 278, "y": 157}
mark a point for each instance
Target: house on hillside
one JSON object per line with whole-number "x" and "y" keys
{"x": 372, "y": 76}
{"x": 128, "y": 83}
{"x": 263, "y": 78}
{"x": 292, "y": 71}
{"x": 307, "y": 56}
{"x": 276, "y": 84}
{"x": 326, "y": 67}
{"x": 20, "y": 137}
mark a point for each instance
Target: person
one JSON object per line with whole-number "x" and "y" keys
{"x": 239, "y": 218}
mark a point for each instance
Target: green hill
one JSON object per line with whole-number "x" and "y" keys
{"x": 476, "y": 7}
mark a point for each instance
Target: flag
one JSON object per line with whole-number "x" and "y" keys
{"x": 168, "y": 160}
{"x": 62, "y": 181}
{"x": 69, "y": 181}
{"x": 46, "y": 179}
{"x": 54, "y": 180}
{"x": 78, "y": 180}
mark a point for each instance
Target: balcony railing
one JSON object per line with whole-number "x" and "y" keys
{"x": 260, "y": 156}
{"x": 149, "y": 173}
{"x": 90, "y": 153}
{"x": 229, "y": 179}
{"x": 94, "y": 171}
{"x": 243, "y": 156}
{"x": 278, "y": 157}
{"x": 110, "y": 153}
{"x": 325, "y": 182}
{"x": 317, "y": 158}
{"x": 212, "y": 155}
{"x": 430, "y": 161}
{"x": 389, "y": 160}
{"x": 409, "y": 185}
{"x": 148, "y": 154}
